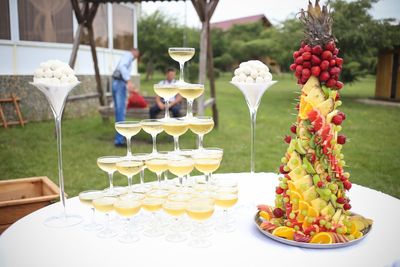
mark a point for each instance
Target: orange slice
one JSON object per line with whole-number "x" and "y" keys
{"x": 284, "y": 231}
{"x": 291, "y": 186}
{"x": 265, "y": 215}
{"x": 312, "y": 212}
{"x": 322, "y": 238}
{"x": 295, "y": 198}
{"x": 303, "y": 205}
{"x": 304, "y": 108}
{"x": 358, "y": 234}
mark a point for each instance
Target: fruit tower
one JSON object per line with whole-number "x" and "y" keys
{"x": 311, "y": 203}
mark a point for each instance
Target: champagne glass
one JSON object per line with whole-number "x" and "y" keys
{"x": 183, "y": 224}
{"x": 105, "y": 205}
{"x": 56, "y": 95}
{"x": 129, "y": 168}
{"x": 208, "y": 161}
{"x": 166, "y": 91}
{"x": 109, "y": 165}
{"x": 152, "y": 127}
{"x": 253, "y": 93}
{"x": 128, "y": 129}
{"x": 176, "y": 209}
{"x": 226, "y": 196}
{"x": 142, "y": 187}
{"x": 180, "y": 166}
{"x": 190, "y": 92}
{"x": 200, "y": 209}
{"x": 175, "y": 127}
{"x": 86, "y": 198}
{"x": 153, "y": 205}
{"x": 158, "y": 164}
{"x": 181, "y": 54}
{"x": 127, "y": 208}
{"x": 201, "y": 125}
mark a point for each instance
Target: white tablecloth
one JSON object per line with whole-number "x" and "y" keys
{"x": 29, "y": 243}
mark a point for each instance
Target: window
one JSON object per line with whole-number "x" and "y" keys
{"x": 4, "y": 20}
{"x": 45, "y": 20}
{"x": 122, "y": 27}
{"x": 100, "y": 28}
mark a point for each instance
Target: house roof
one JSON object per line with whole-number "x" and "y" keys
{"x": 227, "y": 24}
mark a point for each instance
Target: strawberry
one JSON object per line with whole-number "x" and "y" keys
{"x": 307, "y": 64}
{"x": 318, "y": 123}
{"x": 324, "y": 65}
{"x": 287, "y": 139}
{"x": 306, "y": 73}
{"x": 346, "y": 206}
{"x": 320, "y": 184}
{"x": 301, "y": 50}
{"x": 342, "y": 115}
{"x": 328, "y": 179}
{"x": 324, "y": 76}
{"x": 317, "y": 50}
{"x": 293, "y": 66}
{"x": 296, "y": 54}
{"x": 341, "y": 200}
{"x": 279, "y": 190}
{"x": 337, "y": 96}
{"x": 315, "y": 71}
{"x": 315, "y": 60}
{"x": 293, "y": 129}
{"x": 281, "y": 170}
{"x": 331, "y": 83}
{"x": 297, "y": 74}
{"x": 334, "y": 71}
{"x": 341, "y": 139}
{"x": 299, "y": 68}
{"x": 339, "y": 61}
{"x": 330, "y": 46}
{"x": 335, "y": 51}
{"x": 327, "y": 55}
{"x": 307, "y": 48}
{"x": 337, "y": 119}
{"x": 306, "y": 56}
{"x": 297, "y": 107}
{"x": 332, "y": 62}
{"x": 339, "y": 85}
{"x": 278, "y": 213}
{"x": 299, "y": 60}
{"x": 347, "y": 184}
{"x": 263, "y": 208}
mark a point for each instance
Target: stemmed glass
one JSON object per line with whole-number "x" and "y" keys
{"x": 180, "y": 166}
{"x": 129, "y": 168}
{"x": 201, "y": 125}
{"x": 106, "y": 206}
{"x": 56, "y": 95}
{"x": 86, "y": 198}
{"x": 128, "y": 129}
{"x": 226, "y": 196}
{"x": 152, "y": 127}
{"x": 166, "y": 91}
{"x": 153, "y": 205}
{"x": 142, "y": 187}
{"x": 253, "y": 93}
{"x": 158, "y": 164}
{"x": 181, "y": 54}
{"x": 109, "y": 165}
{"x": 176, "y": 209}
{"x": 175, "y": 127}
{"x": 208, "y": 161}
{"x": 127, "y": 208}
{"x": 200, "y": 209}
{"x": 190, "y": 92}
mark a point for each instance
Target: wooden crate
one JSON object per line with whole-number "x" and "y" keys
{"x": 19, "y": 197}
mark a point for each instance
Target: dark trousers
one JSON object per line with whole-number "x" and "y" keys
{"x": 155, "y": 110}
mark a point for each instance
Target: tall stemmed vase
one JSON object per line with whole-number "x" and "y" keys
{"x": 253, "y": 93}
{"x": 56, "y": 95}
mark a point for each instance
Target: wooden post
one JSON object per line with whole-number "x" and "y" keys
{"x": 75, "y": 47}
{"x": 210, "y": 61}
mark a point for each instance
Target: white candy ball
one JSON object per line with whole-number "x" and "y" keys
{"x": 57, "y": 74}
{"x": 268, "y": 77}
{"x": 54, "y": 81}
{"x": 235, "y": 79}
{"x": 259, "y": 79}
{"x": 242, "y": 77}
{"x": 254, "y": 74}
{"x": 249, "y": 80}
{"x": 238, "y": 71}
{"x": 48, "y": 74}
{"x": 247, "y": 70}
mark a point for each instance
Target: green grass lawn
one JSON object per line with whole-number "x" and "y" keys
{"x": 372, "y": 152}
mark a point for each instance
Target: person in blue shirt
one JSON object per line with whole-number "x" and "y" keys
{"x": 120, "y": 83}
{"x": 174, "y": 102}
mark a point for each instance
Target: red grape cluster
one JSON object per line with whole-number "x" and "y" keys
{"x": 322, "y": 63}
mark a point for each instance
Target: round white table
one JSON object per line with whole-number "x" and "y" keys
{"x": 29, "y": 243}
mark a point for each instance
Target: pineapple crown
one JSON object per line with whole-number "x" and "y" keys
{"x": 317, "y": 24}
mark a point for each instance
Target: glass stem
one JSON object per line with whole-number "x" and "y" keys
{"x": 107, "y": 222}
{"x": 128, "y": 144}
{"x": 176, "y": 143}
{"x": 93, "y": 215}
{"x": 207, "y": 176}
{"x": 129, "y": 184}
{"x": 253, "y": 115}
{"x": 159, "y": 178}
{"x": 110, "y": 178}
{"x": 200, "y": 141}
{"x": 166, "y": 176}
{"x": 180, "y": 180}
{"x": 142, "y": 177}
{"x": 181, "y": 73}
{"x": 154, "y": 137}
{"x": 60, "y": 168}
{"x": 166, "y": 116}
{"x": 189, "y": 113}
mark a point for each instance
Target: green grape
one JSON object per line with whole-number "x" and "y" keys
{"x": 304, "y": 212}
{"x": 292, "y": 215}
{"x": 284, "y": 160}
{"x": 322, "y": 222}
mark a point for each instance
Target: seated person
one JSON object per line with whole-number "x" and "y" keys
{"x": 135, "y": 100}
{"x": 174, "y": 102}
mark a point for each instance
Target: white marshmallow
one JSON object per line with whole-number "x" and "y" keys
{"x": 259, "y": 79}
{"x": 254, "y": 74}
{"x": 249, "y": 80}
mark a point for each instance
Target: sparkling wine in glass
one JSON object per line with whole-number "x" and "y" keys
{"x": 176, "y": 128}
{"x": 129, "y": 168}
{"x": 190, "y": 92}
{"x": 128, "y": 129}
{"x": 153, "y": 205}
{"x": 166, "y": 91}
{"x": 152, "y": 127}
{"x": 86, "y": 198}
{"x": 208, "y": 161}
{"x": 226, "y": 196}
{"x": 176, "y": 209}
{"x": 128, "y": 208}
{"x": 158, "y": 164}
{"x": 181, "y": 55}
{"x": 56, "y": 95}
{"x": 109, "y": 165}
{"x": 105, "y": 205}
{"x": 180, "y": 166}
{"x": 201, "y": 126}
